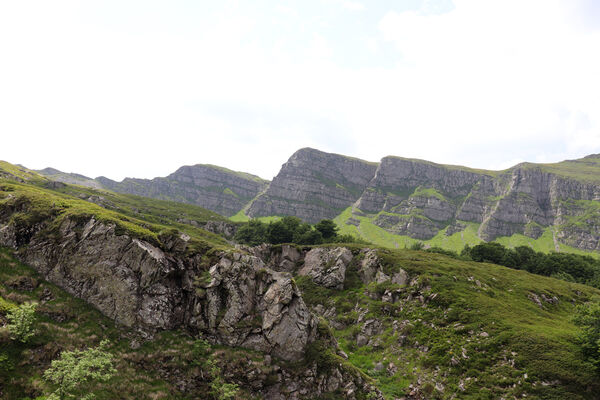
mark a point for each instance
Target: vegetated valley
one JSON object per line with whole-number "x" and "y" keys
{"x": 109, "y": 295}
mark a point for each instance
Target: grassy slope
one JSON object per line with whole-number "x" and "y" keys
{"x": 138, "y": 216}
{"x": 527, "y": 345}
{"x": 379, "y": 236}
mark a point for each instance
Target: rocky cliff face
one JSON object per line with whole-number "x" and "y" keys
{"x": 215, "y": 188}
{"x": 419, "y": 198}
{"x": 403, "y": 196}
{"x": 231, "y": 298}
{"x": 314, "y": 185}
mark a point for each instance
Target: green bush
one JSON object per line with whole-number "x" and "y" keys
{"x": 79, "y": 370}
{"x": 21, "y": 320}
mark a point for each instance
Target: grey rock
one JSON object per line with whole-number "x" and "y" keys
{"x": 314, "y": 185}
{"x": 369, "y": 266}
{"x": 143, "y": 286}
{"x": 400, "y": 278}
{"x": 327, "y": 267}
{"x": 381, "y": 277}
{"x": 215, "y": 188}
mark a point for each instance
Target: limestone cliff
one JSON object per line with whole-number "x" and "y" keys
{"x": 419, "y": 198}
{"x": 215, "y": 188}
{"x": 314, "y": 185}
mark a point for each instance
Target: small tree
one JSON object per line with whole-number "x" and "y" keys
{"x": 328, "y": 228}
{"x": 76, "y": 370}
{"x": 253, "y": 233}
{"x": 21, "y": 320}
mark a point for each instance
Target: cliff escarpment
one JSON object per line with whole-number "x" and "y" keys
{"x": 421, "y": 200}
{"x": 215, "y": 188}
{"x": 314, "y": 185}
{"x": 557, "y": 205}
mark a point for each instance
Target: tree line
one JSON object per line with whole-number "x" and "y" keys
{"x": 291, "y": 230}
{"x": 566, "y": 266}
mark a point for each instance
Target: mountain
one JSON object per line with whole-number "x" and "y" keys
{"x": 314, "y": 185}
{"x": 216, "y": 188}
{"x": 398, "y": 198}
{"x": 71, "y": 178}
{"x": 398, "y": 201}
{"x": 185, "y": 310}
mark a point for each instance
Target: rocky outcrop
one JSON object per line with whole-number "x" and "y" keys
{"x": 232, "y": 298}
{"x": 327, "y": 267}
{"x": 396, "y": 178}
{"x": 283, "y": 257}
{"x": 238, "y": 301}
{"x": 314, "y": 185}
{"x": 414, "y": 226}
{"x": 251, "y": 306}
{"x": 215, "y": 188}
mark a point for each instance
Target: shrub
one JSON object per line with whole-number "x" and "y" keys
{"x": 21, "y": 320}
{"x": 78, "y": 370}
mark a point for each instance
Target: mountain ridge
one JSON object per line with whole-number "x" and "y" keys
{"x": 403, "y": 198}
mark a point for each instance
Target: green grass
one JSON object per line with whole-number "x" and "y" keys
{"x": 370, "y": 232}
{"x": 241, "y": 217}
{"x": 421, "y": 191}
{"x": 19, "y": 172}
{"x": 133, "y": 215}
{"x": 541, "y": 342}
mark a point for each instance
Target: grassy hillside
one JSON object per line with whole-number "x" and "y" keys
{"x": 457, "y": 329}
{"x": 461, "y": 328}
{"x": 364, "y": 228}
{"x": 138, "y": 216}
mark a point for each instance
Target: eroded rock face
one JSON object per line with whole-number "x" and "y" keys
{"x": 263, "y": 309}
{"x": 215, "y": 188}
{"x": 238, "y": 301}
{"x": 419, "y": 198}
{"x": 327, "y": 267}
{"x": 314, "y": 185}
{"x": 144, "y": 287}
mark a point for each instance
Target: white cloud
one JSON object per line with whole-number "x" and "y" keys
{"x": 353, "y": 5}
{"x": 483, "y": 84}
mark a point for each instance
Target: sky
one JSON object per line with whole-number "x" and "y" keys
{"x": 139, "y": 88}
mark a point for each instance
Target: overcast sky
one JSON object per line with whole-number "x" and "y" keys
{"x": 139, "y": 88}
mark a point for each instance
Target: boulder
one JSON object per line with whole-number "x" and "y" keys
{"x": 327, "y": 267}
